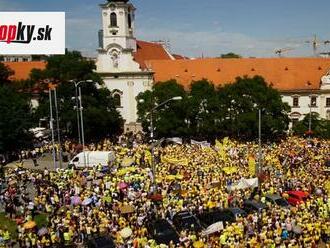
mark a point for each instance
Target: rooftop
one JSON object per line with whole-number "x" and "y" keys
{"x": 22, "y": 70}
{"x": 149, "y": 51}
{"x": 284, "y": 74}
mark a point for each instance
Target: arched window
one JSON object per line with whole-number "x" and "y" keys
{"x": 129, "y": 20}
{"x": 116, "y": 94}
{"x": 113, "y": 19}
{"x": 117, "y": 100}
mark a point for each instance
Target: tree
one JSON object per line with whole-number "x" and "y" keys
{"x": 206, "y": 112}
{"x": 63, "y": 68}
{"x": 243, "y": 99}
{"x": 173, "y": 111}
{"x": 320, "y": 127}
{"x": 5, "y": 73}
{"x": 101, "y": 118}
{"x": 230, "y": 56}
{"x": 203, "y": 110}
{"x": 15, "y": 120}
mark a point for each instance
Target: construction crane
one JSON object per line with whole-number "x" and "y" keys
{"x": 315, "y": 43}
{"x": 283, "y": 50}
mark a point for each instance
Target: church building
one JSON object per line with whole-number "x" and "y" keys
{"x": 122, "y": 59}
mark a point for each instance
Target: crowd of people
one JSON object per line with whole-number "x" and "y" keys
{"x": 119, "y": 201}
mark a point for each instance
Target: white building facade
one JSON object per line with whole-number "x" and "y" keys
{"x": 121, "y": 74}
{"x": 303, "y": 102}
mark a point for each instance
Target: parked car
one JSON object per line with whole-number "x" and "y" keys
{"x": 251, "y": 206}
{"x": 186, "y": 221}
{"x": 225, "y": 215}
{"x": 163, "y": 232}
{"x": 277, "y": 200}
{"x": 297, "y": 197}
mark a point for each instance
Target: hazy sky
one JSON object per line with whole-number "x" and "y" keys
{"x": 196, "y": 27}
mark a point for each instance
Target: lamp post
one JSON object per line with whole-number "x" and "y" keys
{"x": 58, "y": 130}
{"x": 310, "y": 110}
{"x": 76, "y": 84}
{"x": 259, "y": 144}
{"x": 258, "y": 168}
{"x": 153, "y": 166}
{"x": 310, "y": 119}
{"x": 51, "y": 124}
{"x": 82, "y": 125}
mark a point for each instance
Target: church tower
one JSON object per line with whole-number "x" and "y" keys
{"x": 116, "y": 61}
{"x": 116, "y": 39}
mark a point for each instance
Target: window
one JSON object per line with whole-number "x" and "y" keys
{"x": 113, "y": 19}
{"x": 328, "y": 115}
{"x": 313, "y": 101}
{"x": 117, "y": 100}
{"x": 129, "y": 20}
{"x": 327, "y": 103}
{"x": 295, "y": 101}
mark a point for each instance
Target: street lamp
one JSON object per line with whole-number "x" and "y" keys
{"x": 76, "y": 84}
{"x": 259, "y": 166}
{"x": 153, "y": 166}
{"x": 310, "y": 118}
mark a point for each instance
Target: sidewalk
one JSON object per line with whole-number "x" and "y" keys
{"x": 44, "y": 162}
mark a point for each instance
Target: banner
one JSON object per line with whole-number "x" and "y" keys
{"x": 200, "y": 143}
{"x": 216, "y": 227}
{"x": 175, "y": 140}
{"x": 244, "y": 184}
{"x": 183, "y": 161}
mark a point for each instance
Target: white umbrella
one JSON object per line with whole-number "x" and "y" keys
{"x": 126, "y": 232}
{"x": 216, "y": 227}
{"x": 87, "y": 201}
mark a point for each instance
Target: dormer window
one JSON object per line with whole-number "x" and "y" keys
{"x": 113, "y": 19}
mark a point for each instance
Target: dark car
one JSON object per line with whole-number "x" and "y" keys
{"x": 225, "y": 215}
{"x": 101, "y": 242}
{"x": 251, "y": 206}
{"x": 163, "y": 232}
{"x": 277, "y": 200}
{"x": 186, "y": 221}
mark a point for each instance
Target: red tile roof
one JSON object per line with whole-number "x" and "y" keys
{"x": 282, "y": 73}
{"x": 22, "y": 70}
{"x": 149, "y": 51}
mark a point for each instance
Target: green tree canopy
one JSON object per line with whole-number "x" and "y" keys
{"x": 173, "y": 111}
{"x": 230, "y": 56}
{"x": 101, "y": 118}
{"x": 207, "y": 112}
{"x": 15, "y": 120}
{"x": 243, "y": 99}
{"x": 320, "y": 127}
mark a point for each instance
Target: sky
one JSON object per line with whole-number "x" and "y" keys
{"x": 195, "y": 28}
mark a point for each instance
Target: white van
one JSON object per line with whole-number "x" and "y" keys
{"x": 92, "y": 159}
